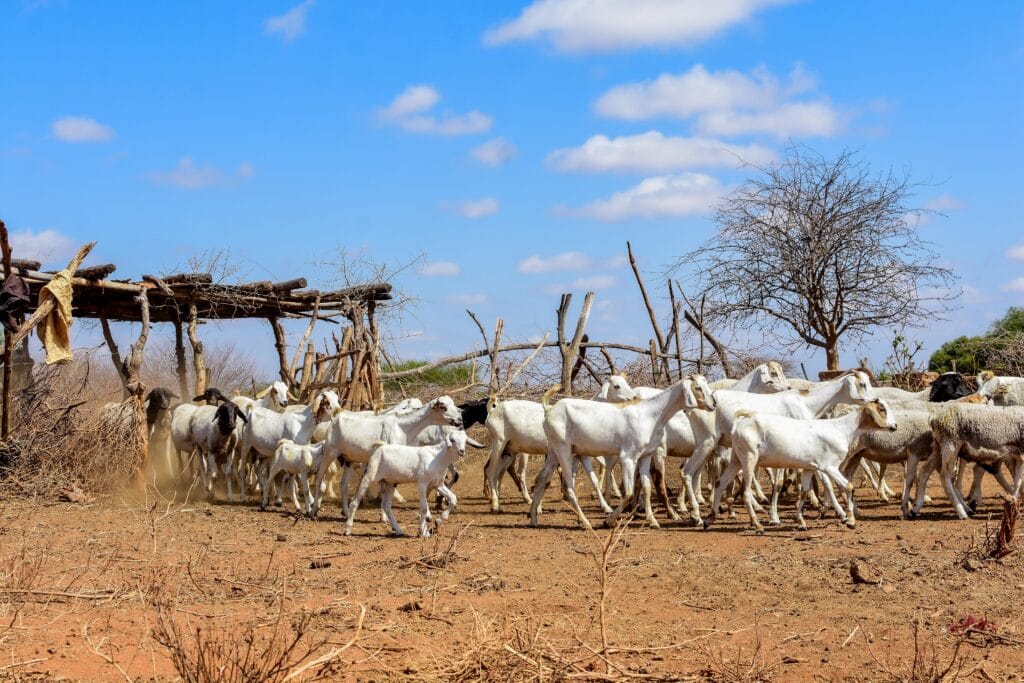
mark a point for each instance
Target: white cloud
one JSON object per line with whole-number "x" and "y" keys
{"x": 729, "y": 102}
{"x": 409, "y": 111}
{"x": 1015, "y": 285}
{"x": 494, "y": 152}
{"x": 604, "y": 25}
{"x": 81, "y": 129}
{"x": 45, "y": 245}
{"x": 652, "y": 152}
{"x": 187, "y": 175}
{"x": 412, "y": 100}
{"x": 570, "y": 260}
{"x": 818, "y": 119}
{"x": 594, "y": 282}
{"x": 699, "y": 90}
{"x": 467, "y": 299}
{"x": 1016, "y": 252}
{"x": 669, "y": 195}
{"x": 291, "y": 24}
{"x": 590, "y": 283}
{"x": 944, "y": 202}
{"x": 440, "y": 269}
{"x": 476, "y": 208}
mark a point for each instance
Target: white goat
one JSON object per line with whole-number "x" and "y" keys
{"x": 353, "y": 437}
{"x": 631, "y": 430}
{"x": 516, "y": 429}
{"x": 426, "y": 466}
{"x": 296, "y": 460}
{"x": 275, "y": 397}
{"x": 266, "y": 428}
{"x": 1005, "y": 391}
{"x": 714, "y": 429}
{"x": 767, "y": 440}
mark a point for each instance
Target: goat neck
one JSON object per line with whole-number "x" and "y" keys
{"x": 826, "y": 395}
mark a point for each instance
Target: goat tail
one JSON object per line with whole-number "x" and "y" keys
{"x": 744, "y": 414}
{"x": 378, "y": 444}
{"x": 546, "y": 398}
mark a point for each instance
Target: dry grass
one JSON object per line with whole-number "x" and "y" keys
{"x": 934, "y": 660}
{"x": 282, "y": 651}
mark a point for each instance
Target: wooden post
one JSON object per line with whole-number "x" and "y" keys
{"x": 654, "y": 362}
{"x": 279, "y": 344}
{"x": 137, "y": 390}
{"x": 675, "y": 329}
{"x": 115, "y": 356}
{"x": 307, "y": 371}
{"x": 179, "y": 357}
{"x": 8, "y": 340}
{"x": 198, "y": 361}
{"x": 302, "y": 342}
{"x": 662, "y": 344}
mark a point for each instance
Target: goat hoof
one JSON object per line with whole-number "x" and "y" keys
{"x": 850, "y": 524}
{"x": 759, "y": 531}
{"x": 774, "y": 522}
{"x": 706, "y": 524}
{"x": 802, "y": 527}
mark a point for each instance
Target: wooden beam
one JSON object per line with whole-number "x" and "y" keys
{"x": 289, "y": 285}
{"x": 189, "y": 279}
{"x": 95, "y": 272}
{"x": 23, "y": 264}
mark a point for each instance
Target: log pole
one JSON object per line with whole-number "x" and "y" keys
{"x": 198, "y": 361}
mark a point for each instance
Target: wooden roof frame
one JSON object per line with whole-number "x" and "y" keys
{"x": 176, "y": 298}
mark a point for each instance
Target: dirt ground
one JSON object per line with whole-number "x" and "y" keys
{"x": 85, "y": 587}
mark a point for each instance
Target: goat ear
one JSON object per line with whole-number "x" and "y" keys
{"x": 242, "y": 415}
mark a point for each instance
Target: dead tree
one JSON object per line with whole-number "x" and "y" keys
{"x": 569, "y": 349}
{"x": 819, "y": 250}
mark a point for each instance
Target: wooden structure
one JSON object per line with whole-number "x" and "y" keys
{"x": 186, "y": 300}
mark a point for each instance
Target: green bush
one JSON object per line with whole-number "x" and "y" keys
{"x": 974, "y": 354}
{"x": 448, "y": 376}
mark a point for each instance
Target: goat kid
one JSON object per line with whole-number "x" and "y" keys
{"x": 426, "y": 466}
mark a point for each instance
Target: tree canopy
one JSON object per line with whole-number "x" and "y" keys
{"x": 995, "y": 350}
{"x": 818, "y": 250}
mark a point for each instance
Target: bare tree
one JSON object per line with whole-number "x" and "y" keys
{"x": 819, "y": 250}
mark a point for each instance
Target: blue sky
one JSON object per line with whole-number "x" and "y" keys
{"x": 515, "y": 146}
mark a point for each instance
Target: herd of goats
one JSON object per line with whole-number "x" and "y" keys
{"x": 811, "y": 434}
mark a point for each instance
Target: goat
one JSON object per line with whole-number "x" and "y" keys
{"x": 712, "y": 430}
{"x": 266, "y": 428}
{"x": 275, "y": 397}
{"x": 1004, "y": 391}
{"x": 516, "y": 428}
{"x": 353, "y": 437}
{"x": 766, "y": 378}
{"x": 180, "y": 430}
{"x": 296, "y": 460}
{"x": 393, "y": 464}
{"x": 981, "y": 434}
{"x": 810, "y": 445}
{"x": 631, "y": 430}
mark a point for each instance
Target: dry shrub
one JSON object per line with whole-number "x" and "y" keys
{"x": 57, "y": 440}
{"x": 751, "y": 665}
{"x": 934, "y": 660}
{"x": 1002, "y": 543}
{"x": 254, "y": 653}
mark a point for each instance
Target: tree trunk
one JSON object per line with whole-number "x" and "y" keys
{"x": 832, "y": 354}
